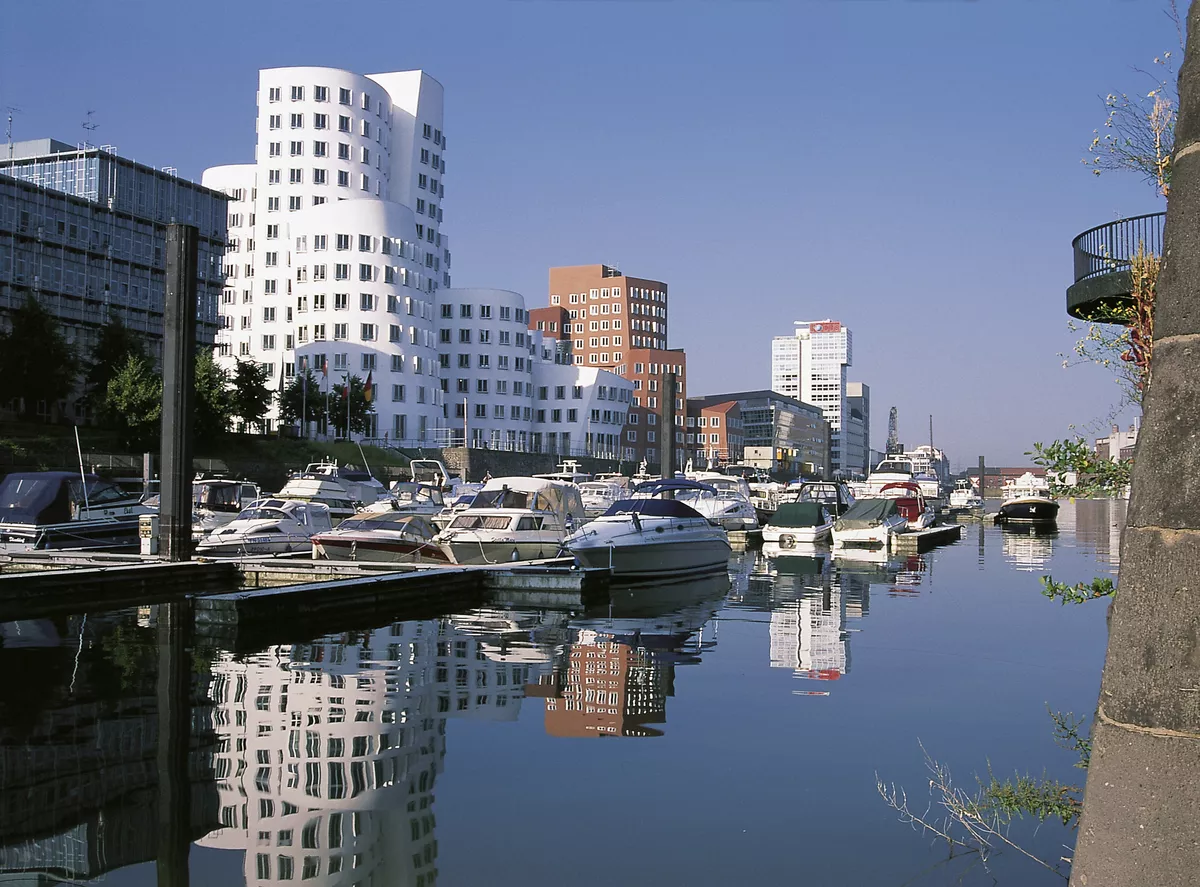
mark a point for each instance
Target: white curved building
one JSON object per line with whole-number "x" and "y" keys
{"x": 339, "y": 155}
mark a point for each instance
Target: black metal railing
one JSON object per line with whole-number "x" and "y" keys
{"x": 1109, "y": 248}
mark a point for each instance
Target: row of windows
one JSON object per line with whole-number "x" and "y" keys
{"x": 506, "y": 312}
{"x": 321, "y": 94}
{"x": 504, "y": 337}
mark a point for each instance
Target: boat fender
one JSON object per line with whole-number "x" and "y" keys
{"x": 787, "y": 540}
{"x": 658, "y": 529}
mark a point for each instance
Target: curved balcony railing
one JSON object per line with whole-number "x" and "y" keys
{"x": 1108, "y": 248}
{"x": 1102, "y": 258}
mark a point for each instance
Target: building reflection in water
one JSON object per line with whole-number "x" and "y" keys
{"x": 1098, "y": 525}
{"x": 1028, "y": 548}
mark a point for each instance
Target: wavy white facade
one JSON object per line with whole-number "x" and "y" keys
{"x": 341, "y": 155}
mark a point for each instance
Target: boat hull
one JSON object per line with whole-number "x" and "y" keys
{"x": 477, "y": 551}
{"x": 255, "y": 545}
{"x": 1030, "y": 510}
{"x": 381, "y": 551}
{"x": 103, "y": 534}
{"x": 788, "y": 536}
{"x": 649, "y": 559}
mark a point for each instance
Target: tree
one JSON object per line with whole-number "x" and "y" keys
{"x": 360, "y": 407}
{"x": 252, "y": 394}
{"x": 133, "y": 404}
{"x": 214, "y": 402}
{"x": 112, "y": 352}
{"x": 36, "y": 363}
{"x": 295, "y": 400}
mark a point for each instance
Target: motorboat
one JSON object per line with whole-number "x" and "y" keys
{"x": 324, "y": 489}
{"x": 964, "y": 497}
{"x": 434, "y": 473}
{"x": 893, "y": 469}
{"x": 727, "y": 500}
{"x": 513, "y": 519}
{"x": 455, "y": 506}
{"x": 380, "y": 537}
{"x": 599, "y": 496}
{"x": 612, "y": 477}
{"x": 1027, "y": 499}
{"x": 869, "y": 522}
{"x": 268, "y": 526}
{"x": 652, "y": 535}
{"x": 66, "y": 510}
{"x": 217, "y": 501}
{"x": 410, "y": 498}
{"x": 643, "y": 475}
{"x": 795, "y": 522}
{"x": 360, "y": 485}
{"x": 568, "y": 470}
{"x": 834, "y": 495}
{"x": 911, "y": 503}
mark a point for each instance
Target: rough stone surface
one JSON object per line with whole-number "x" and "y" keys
{"x": 1152, "y": 676}
{"x": 1177, "y": 311}
{"x": 1139, "y": 824}
{"x": 1166, "y": 481}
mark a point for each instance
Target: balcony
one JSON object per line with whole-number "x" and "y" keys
{"x": 1102, "y": 256}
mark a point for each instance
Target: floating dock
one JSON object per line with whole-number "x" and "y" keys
{"x": 922, "y": 540}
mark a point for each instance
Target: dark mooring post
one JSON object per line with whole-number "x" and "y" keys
{"x": 668, "y": 426}
{"x": 982, "y": 480}
{"x": 174, "y": 699}
{"x": 179, "y": 369}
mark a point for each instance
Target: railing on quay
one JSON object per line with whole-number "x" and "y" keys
{"x": 1110, "y": 247}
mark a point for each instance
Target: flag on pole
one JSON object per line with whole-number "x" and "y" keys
{"x": 368, "y": 389}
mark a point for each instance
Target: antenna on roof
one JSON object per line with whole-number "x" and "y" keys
{"x": 89, "y": 127}
{"x": 12, "y": 109}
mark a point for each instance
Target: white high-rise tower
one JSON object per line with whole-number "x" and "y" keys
{"x": 810, "y": 365}
{"x": 336, "y": 250}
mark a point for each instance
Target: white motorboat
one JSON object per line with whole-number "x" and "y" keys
{"x": 911, "y": 503}
{"x": 894, "y": 469}
{"x": 513, "y": 519}
{"x": 599, "y": 496}
{"x": 64, "y": 510}
{"x": 410, "y": 498}
{"x": 1027, "y": 499}
{"x": 965, "y": 497}
{"x": 361, "y": 486}
{"x": 268, "y": 526}
{"x": 217, "y": 501}
{"x": 612, "y": 477}
{"x": 834, "y": 495}
{"x": 381, "y": 537}
{"x": 795, "y": 522}
{"x": 457, "y": 505}
{"x": 323, "y": 489}
{"x": 568, "y": 470}
{"x": 650, "y": 536}
{"x": 434, "y": 473}
{"x": 727, "y": 501}
{"x": 869, "y": 522}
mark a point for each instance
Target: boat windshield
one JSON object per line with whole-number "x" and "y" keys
{"x": 826, "y": 494}
{"x": 481, "y": 522}
{"x": 416, "y": 494}
{"x": 597, "y": 489}
{"x": 393, "y": 521}
{"x": 218, "y": 497}
{"x": 503, "y": 498}
{"x": 258, "y": 513}
{"x": 894, "y": 468}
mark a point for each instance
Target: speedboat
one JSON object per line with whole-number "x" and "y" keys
{"x": 410, "y": 498}
{"x": 513, "y": 519}
{"x": 268, "y": 526}
{"x": 795, "y": 522}
{"x": 652, "y": 536}
{"x": 383, "y": 537}
{"x": 434, "y": 473}
{"x": 323, "y": 489}
{"x": 911, "y": 503}
{"x": 892, "y": 470}
{"x": 360, "y": 485}
{"x": 964, "y": 496}
{"x": 66, "y": 510}
{"x": 869, "y": 522}
{"x": 599, "y": 496}
{"x": 1027, "y": 499}
{"x": 834, "y": 495}
{"x": 217, "y": 501}
{"x": 726, "y": 500}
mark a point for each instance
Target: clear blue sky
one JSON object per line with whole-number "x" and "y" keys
{"x": 911, "y": 169}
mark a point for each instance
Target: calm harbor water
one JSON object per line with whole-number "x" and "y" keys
{"x": 729, "y": 731}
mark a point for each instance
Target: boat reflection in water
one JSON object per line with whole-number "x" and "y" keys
{"x": 1028, "y": 547}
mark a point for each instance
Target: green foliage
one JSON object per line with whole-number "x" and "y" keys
{"x": 360, "y": 408}
{"x": 1067, "y": 735}
{"x": 113, "y": 350}
{"x": 252, "y": 394}
{"x": 1100, "y": 587}
{"x": 295, "y": 400}
{"x": 1022, "y": 795}
{"x": 214, "y": 402}
{"x": 133, "y": 404}
{"x": 36, "y": 363}
{"x": 1095, "y": 476}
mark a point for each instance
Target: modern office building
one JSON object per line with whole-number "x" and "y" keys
{"x": 714, "y": 433}
{"x": 1119, "y": 445}
{"x": 619, "y": 322}
{"x": 83, "y": 231}
{"x": 810, "y": 365}
{"x": 507, "y": 386}
{"x": 778, "y": 433}
{"x": 858, "y": 429}
{"x": 930, "y": 460}
{"x": 336, "y": 245}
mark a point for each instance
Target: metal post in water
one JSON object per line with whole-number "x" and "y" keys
{"x": 668, "y": 421}
{"x": 982, "y": 480}
{"x": 179, "y": 380}
{"x": 174, "y": 703}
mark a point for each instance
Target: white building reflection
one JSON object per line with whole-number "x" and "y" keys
{"x": 1027, "y": 548}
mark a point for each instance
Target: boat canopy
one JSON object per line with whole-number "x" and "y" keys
{"x": 538, "y": 494}
{"x": 867, "y": 513}
{"x": 653, "y": 508}
{"x": 406, "y": 493}
{"x": 799, "y": 514}
{"x": 672, "y": 485}
{"x": 50, "y": 497}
